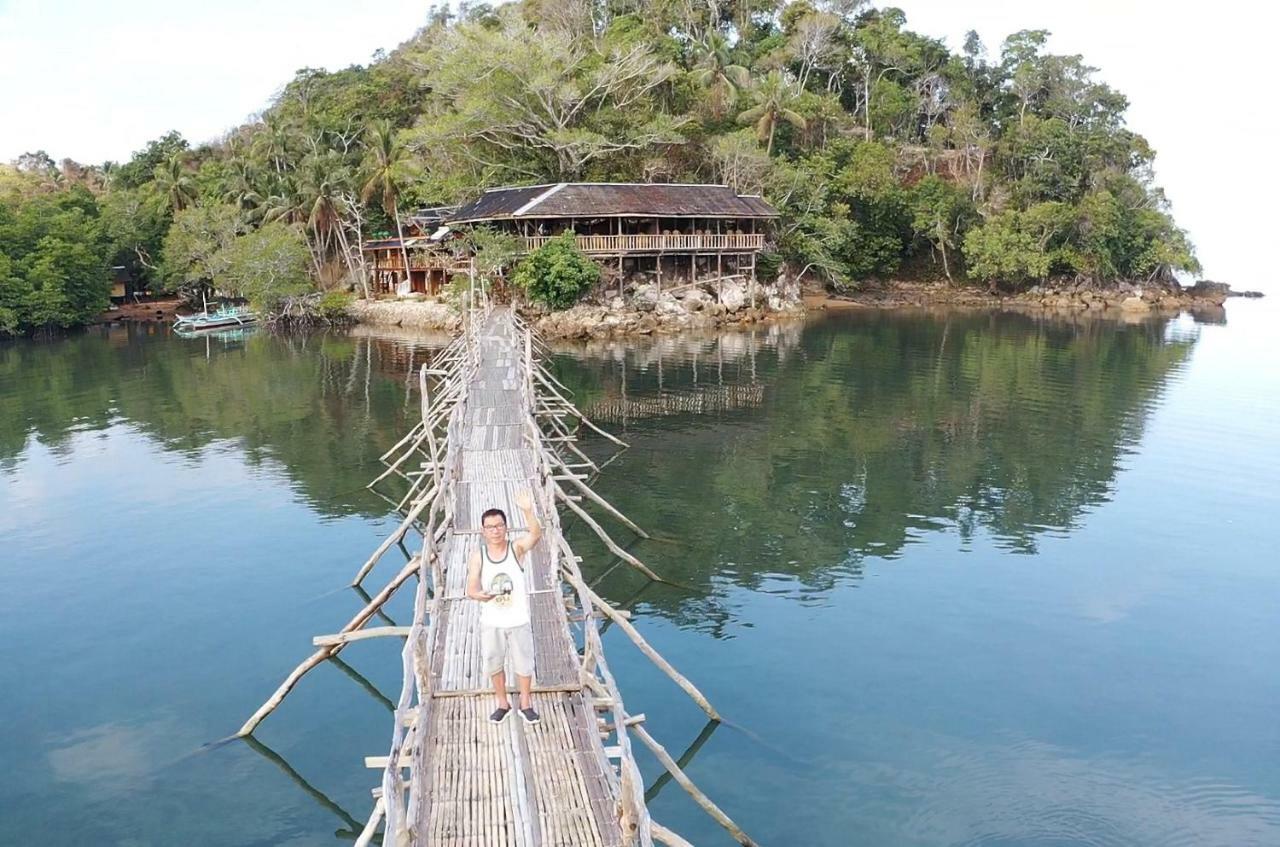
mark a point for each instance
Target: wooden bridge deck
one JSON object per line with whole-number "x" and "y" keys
{"x": 507, "y": 784}
{"x": 495, "y": 426}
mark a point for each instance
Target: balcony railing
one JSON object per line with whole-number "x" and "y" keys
{"x": 667, "y": 243}
{"x": 418, "y": 262}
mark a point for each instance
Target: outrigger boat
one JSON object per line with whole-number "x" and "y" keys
{"x": 222, "y": 318}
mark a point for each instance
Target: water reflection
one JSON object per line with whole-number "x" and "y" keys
{"x": 353, "y": 826}
{"x": 855, "y": 434}
{"x": 321, "y": 405}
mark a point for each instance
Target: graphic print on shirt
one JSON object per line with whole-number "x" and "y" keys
{"x": 501, "y": 587}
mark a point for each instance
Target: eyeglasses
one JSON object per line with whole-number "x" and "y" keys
{"x": 495, "y": 526}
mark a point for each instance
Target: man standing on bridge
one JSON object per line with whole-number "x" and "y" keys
{"x": 496, "y": 577}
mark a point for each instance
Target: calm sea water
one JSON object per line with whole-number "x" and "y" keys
{"x": 954, "y": 580}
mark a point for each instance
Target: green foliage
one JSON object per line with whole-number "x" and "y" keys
{"x": 54, "y": 270}
{"x": 142, "y": 167}
{"x": 493, "y": 251}
{"x": 557, "y": 274}
{"x": 871, "y": 141}
{"x": 334, "y": 306}
{"x": 1016, "y": 246}
{"x": 939, "y": 211}
{"x": 135, "y": 221}
{"x": 267, "y": 266}
{"x": 196, "y": 247}
{"x": 768, "y": 266}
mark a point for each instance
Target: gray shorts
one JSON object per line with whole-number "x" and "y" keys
{"x": 496, "y": 643}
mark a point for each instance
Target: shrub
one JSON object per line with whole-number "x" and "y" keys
{"x": 333, "y": 306}
{"x": 557, "y": 274}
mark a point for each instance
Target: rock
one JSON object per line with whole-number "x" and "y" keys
{"x": 669, "y": 306}
{"x": 617, "y": 304}
{"x": 645, "y": 297}
{"x": 733, "y": 296}
{"x": 695, "y": 299}
{"x": 1214, "y": 292}
{"x": 1134, "y": 304}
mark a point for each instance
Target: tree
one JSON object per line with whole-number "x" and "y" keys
{"x": 557, "y": 274}
{"x": 716, "y": 71}
{"x": 135, "y": 221}
{"x": 175, "y": 183}
{"x": 142, "y": 167}
{"x": 515, "y": 102}
{"x": 53, "y": 261}
{"x": 1016, "y": 246}
{"x": 267, "y": 266}
{"x": 774, "y": 96}
{"x": 739, "y": 163}
{"x": 195, "y": 248}
{"x": 814, "y": 44}
{"x": 384, "y": 169}
{"x": 938, "y": 210}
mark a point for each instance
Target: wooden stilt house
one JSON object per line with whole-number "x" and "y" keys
{"x": 665, "y": 233}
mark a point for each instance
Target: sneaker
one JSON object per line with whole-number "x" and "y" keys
{"x": 530, "y": 716}
{"x": 499, "y": 715}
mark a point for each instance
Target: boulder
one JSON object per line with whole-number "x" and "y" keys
{"x": 645, "y": 297}
{"x": 1214, "y": 292}
{"x": 669, "y": 305}
{"x": 1134, "y": 303}
{"x": 733, "y": 296}
{"x": 695, "y": 299}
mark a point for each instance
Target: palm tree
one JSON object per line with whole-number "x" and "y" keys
{"x": 288, "y": 205}
{"x": 175, "y": 183}
{"x": 241, "y": 192}
{"x": 774, "y": 96}
{"x": 276, "y": 143}
{"x": 384, "y": 158}
{"x": 323, "y": 203}
{"x": 716, "y": 71}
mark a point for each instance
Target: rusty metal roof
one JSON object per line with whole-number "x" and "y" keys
{"x": 612, "y": 199}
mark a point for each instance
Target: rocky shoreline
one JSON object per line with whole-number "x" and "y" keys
{"x": 1128, "y": 299}
{"x": 645, "y": 310}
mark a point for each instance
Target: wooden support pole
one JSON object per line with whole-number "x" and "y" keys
{"x": 370, "y": 828}
{"x": 361, "y": 635}
{"x": 578, "y": 412}
{"x": 325, "y": 652}
{"x": 654, "y": 656}
{"x": 666, "y": 836}
{"x": 701, "y": 799}
{"x": 392, "y": 538}
{"x": 407, "y": 437}
{"x": 604, "y": 536}
{"x": 604, "y": 504}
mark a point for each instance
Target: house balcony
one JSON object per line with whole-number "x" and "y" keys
{"x": 616, "y": 245}
{"x": 394, "y": 262}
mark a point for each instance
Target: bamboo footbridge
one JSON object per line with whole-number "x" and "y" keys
{"x": 495, "y": 422}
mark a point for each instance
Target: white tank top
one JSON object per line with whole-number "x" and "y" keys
{"x": 505, "y": 580}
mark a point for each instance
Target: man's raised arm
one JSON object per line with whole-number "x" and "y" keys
{"x": 525, "y": 504}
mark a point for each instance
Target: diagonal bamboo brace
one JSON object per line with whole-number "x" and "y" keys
{"x": 323, "y": 653}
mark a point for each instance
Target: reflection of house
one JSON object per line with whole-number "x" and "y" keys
{"x": 663, "y": 231}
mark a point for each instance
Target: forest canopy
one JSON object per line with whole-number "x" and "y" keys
{"x": 884, "y": 151}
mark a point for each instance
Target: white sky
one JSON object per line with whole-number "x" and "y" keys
{"x": 96, "y": 80}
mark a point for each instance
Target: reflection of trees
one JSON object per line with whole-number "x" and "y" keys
{"x": 880, "y": 428}
{"x": 324, "y": 406}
